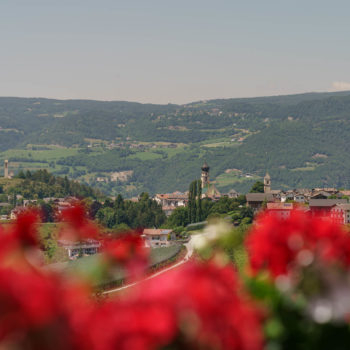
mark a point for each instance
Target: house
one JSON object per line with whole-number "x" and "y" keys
{"x": 158, "y": 237}
{"x": 344, "y": 193}
{"x": 15, "y": 212}
{"x": 340, "y": 213}
{"x": 102, "y": 179}
{"x": 320, "y": 195}
{"x": 175, "y": 199}
{"x": 300, "y": 195}
{"x": 29, "y": 202}
{"x": 170, "y": 201}
{"x": 322, "y": 207}
{"x": 255, "y": 200}
{"x": 286, "y": 195}
{"x": 293, "y": 195}
{"x": 280, "y": 210}
{"x": 330, "y": 190}
{"x": 299, "y": 198}
{"x": 276, "y": 194}
{"x": 232, "y": 194}
{"x": 74, "y": 249}
{"x": 168, "y": 209}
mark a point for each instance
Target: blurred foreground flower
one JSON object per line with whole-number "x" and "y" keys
{"x": 78, "y": 227}
{"x": 193, "y": 307}
{"x": 282, "y": 246}
{"x": 198, "y": 306}
{"x": 307, "y": 256}
{"x": 128, "y": 251}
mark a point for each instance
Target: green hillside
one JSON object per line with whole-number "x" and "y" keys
{"x": 124, "y": 147}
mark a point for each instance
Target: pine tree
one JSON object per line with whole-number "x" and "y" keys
{"x": 194, "y": 202}
{"x": 199, "y": 201}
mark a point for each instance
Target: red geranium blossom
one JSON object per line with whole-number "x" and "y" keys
{"x": 25, "y": 228}
{"x": 281, "y": 245}
{"x": 128, "y": 251}
{"x": 79, "y": 227}
{"x": 198, "y": 305}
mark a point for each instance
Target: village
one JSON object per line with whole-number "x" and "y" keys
{"x": 318, "y": 202}
{"x": 321, "y": 202}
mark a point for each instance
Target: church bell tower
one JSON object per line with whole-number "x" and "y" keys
{"x": 6, "y": 169}
{"x": 205, "y": 174}
{"x": 267, "y": 183}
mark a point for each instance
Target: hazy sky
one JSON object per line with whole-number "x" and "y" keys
{"x": 172, "y": 51}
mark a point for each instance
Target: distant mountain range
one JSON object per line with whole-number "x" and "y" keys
{"x": 302, "y": 140}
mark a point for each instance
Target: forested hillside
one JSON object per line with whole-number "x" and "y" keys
{"x": 128, "y": 148}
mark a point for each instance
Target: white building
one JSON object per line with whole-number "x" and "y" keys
{"x": 158, "y": 237}
{"x": 74, "y": 249}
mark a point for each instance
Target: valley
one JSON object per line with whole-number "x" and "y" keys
{"x": 300, "y": 139}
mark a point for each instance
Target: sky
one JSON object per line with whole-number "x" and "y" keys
{"x": 162, "y": 51}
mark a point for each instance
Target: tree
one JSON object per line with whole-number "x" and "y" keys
{"x": 179, "y": 217}
{"x": 94, "y": 208}
{"x": 195, "y": 202}
{"x": 47, "y": 212}
{"x": 106, "y": 217}
{"x": 258, "y": 187}
{"x": 199, "y": 201}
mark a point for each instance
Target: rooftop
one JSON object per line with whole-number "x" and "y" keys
{"x": 343, "y": 206}
{"x": 326, "y": 202}
{"x": 174, "y": 195}
{"x": 156, "y": 232}
{"x": 259, "y": 197}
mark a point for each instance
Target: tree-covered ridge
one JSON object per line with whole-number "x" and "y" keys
{"x": 42, "y": 184}
{"x": 300, "y": 139}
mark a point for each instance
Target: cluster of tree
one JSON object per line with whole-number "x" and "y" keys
{"x": 258, "y": 187}
{"x": 123, "y": 214}
{"x": 41, "y": 184}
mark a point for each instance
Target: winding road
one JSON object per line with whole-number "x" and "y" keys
{"x": 190, "y": 249}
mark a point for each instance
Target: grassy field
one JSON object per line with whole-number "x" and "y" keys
{"x": 147, "y": 155}
{"x": 48, "y": 155}
{"x": 232, "y": 178}
{"x": 35, "y": 159}
{"x": 159, "y": 255}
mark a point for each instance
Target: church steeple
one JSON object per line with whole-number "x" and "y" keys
{"x": 205, "y": 174}
{"x": 267, "y": 183}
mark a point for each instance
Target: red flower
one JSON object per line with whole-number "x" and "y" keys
{"x": 129, "y": 251}
{"x": 283, "y": 245}
{"x": 78, "y": 226}
{"x": 41, "y": 311}
{"x": 190, "y": 307}
{"x": 27, "y": 300}
{"x": 126, "y": 247}
{"x": 25, "y": 228}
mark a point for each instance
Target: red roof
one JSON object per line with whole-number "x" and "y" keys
{"x": 280, "y": 206}
{"x": 175, "y": 195}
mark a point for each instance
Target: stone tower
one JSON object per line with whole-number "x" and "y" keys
{"x": 6, "y": 169}
{"x": 267, "y": 183}
{"x": 205, "y": 174}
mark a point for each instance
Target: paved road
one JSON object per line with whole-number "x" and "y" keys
{"x": 190, "y": 249}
